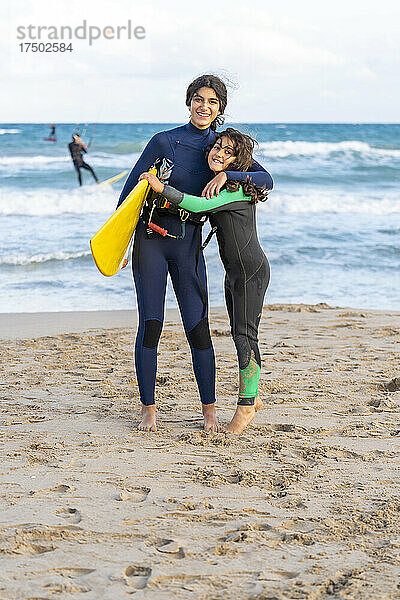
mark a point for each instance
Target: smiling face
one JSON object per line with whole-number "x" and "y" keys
{"x": 204, "y": 107}
{"x": 221, "y": 155}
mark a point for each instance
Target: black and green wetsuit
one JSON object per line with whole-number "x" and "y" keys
{"x": 247, "y": 274}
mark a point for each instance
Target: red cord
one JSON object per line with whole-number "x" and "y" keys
{"x": 158, "y": 229}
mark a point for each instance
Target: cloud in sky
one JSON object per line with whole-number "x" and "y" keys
{"x": 293, "y": 61}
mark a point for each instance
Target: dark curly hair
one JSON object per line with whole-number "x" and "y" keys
{"x": 243, "y": 147}
{"x": 219, "y": 87}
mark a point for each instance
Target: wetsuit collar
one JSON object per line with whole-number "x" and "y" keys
{"x": 196, "y": 131}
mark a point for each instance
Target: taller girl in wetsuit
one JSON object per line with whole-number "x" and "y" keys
{"x": 233, "y": 213}
{"x": 154, "y": 256}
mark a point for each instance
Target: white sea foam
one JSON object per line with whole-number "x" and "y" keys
{"x": 332, "y": 201}
{"x": 5, "y": 131}
{"x": 93, "y": 199}
{"x": 45, "y": 201}
{"x": 16, "y": 164}
{"x": 25, "y": 259}
{"x": 31, "y": 160}
{"x": 13, "y": 165}
{"x": 325, "y": 150}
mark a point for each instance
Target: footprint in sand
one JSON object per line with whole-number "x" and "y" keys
{"x": 137, "y": 576}
{"x": 72, "y": 572}
{"x": 170, "y": 547}
{"x": 77, "y": 463}
{"x": 133, "y": 494}
{"x": 60, "y": 490}
{"x": 71, "y": 514}
{"x": 235, "y": 536}
{"x": 31, "y": 549}
{"x": 287, "y": 574}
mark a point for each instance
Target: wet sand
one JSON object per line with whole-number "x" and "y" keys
{"x": 305, "y": 504}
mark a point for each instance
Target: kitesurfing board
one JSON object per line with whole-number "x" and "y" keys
{"x": 110, "y": 243}
{"x": 114, "y": 179}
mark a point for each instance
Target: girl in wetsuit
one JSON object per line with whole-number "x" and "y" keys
{"x": 180, "y": 153}
{"x": 233, "y": 213}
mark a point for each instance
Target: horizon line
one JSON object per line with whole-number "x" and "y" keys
{"x": 177, "y": 123}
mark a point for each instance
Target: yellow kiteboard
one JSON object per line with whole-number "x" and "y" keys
{"x": 114, "y": 179}
{"x": 110, "y": 243}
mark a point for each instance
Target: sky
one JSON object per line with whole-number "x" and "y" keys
{"x": 286, "y": 61}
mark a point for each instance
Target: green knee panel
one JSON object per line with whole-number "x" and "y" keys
{"x": 249, "y": 379}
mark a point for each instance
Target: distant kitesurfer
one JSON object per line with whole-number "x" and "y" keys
{"x": 53, "y": 131}
{"x": 76, "y": 148}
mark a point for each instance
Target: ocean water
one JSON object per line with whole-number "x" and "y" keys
{"x": 331, "y": 226}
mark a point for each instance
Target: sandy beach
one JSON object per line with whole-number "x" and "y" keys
{"x": 304, "y": 505}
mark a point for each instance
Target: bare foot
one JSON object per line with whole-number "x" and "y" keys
{"x": 148, "y": 422}
{"x": 210, "y": 418}
{"x": 258, "y": 404}
{"x": 243, "y": 416}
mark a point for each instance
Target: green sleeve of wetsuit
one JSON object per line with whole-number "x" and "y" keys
{"x": 197, "y": 204}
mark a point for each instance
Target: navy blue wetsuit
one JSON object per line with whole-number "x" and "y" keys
{"x": 155, "y": 256}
